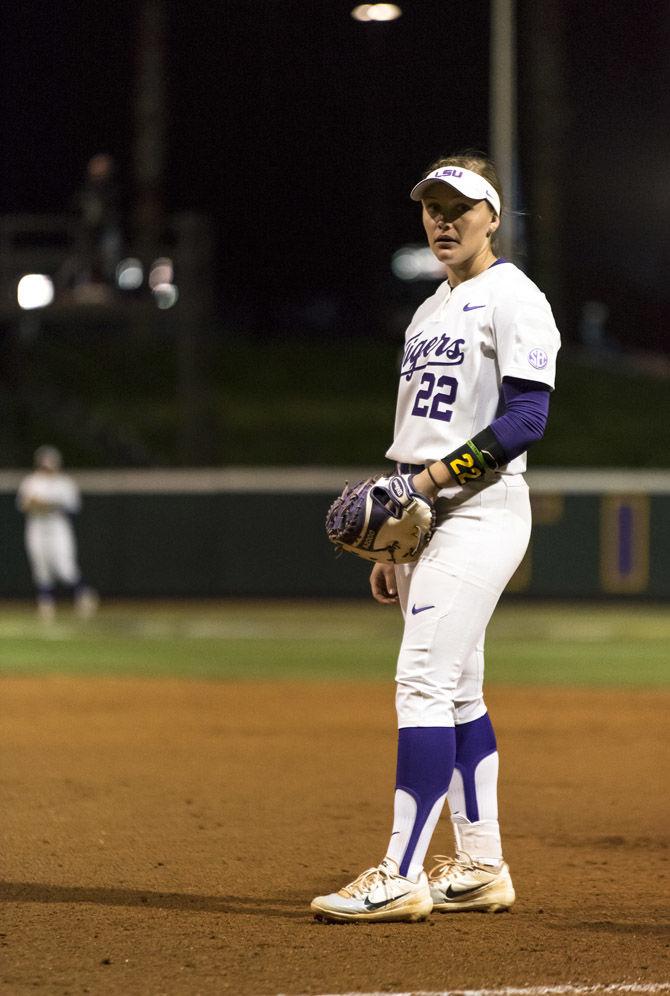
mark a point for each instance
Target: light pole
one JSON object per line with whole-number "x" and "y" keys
{"x": 503, "y": 117}
{"x": 375, "y": 249}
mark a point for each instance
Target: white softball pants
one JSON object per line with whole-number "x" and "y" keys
{"x": 448, "y": 596}
{"x": 51, "y": 550}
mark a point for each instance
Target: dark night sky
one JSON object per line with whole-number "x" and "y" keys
{"x": 300, "y": 132}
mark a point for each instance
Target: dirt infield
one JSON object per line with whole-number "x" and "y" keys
{"x": 166, "y": 837}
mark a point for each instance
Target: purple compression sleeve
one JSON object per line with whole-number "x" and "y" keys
{"x": 525, "y": 409}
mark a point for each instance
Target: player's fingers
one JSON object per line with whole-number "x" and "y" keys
{"x": 383, "y": 599}
{"x": 382, "y": 584}
{"x": 377, "y": 584}
{"x": 389, "y": 582}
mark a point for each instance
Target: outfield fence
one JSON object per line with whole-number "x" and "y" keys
{"x": 188, "y": 533}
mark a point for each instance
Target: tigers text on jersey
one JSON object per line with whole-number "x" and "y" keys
{"x": 458, "y": 347}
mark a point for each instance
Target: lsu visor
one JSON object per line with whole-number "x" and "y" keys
{"x": 464, "y": 180}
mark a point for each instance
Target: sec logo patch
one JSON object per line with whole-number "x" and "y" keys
{"x": 538, "y": 358}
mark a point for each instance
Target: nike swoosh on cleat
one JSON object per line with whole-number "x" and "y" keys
{"x": 423, "y": 608}
{"x": 377, "y": 906}
{"x": 450, "y": 894}
{"x": 473, "y": 307}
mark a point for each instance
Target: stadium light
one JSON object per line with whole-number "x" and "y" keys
{"x": 165, "y": 296}
{"x": 34, "y": 290}
{"x": 376, "y": 12}
{"x": 129, "y": 274}
{"x": 416, "y": 262}
{"x": 161, "y": 272}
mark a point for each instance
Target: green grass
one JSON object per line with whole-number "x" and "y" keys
{"x": 613, "y": 645}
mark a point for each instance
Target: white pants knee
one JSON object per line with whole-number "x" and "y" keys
{"x": 448, "y": 596}
{"x": 51, "y": 550}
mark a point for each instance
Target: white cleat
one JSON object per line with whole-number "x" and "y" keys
{"x": 86, "y": 603}
{"x": 378, "y": 895}
{"x": 46, "y": 609}
{"x": 461, "y": 885}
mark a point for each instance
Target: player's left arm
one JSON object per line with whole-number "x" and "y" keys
{"x": 526, "y": 341}
{"x": 523, "y": 420}
{"x": 522, "y": 423}
{"x": 38, "y": 505}
{"x": 28, "y": 502}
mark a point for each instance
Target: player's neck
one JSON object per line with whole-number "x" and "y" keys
{"x": 471, "y": 267}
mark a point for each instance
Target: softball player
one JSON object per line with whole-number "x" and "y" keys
{"x": 475, "y": 379}
{"x": 48, "y": 498}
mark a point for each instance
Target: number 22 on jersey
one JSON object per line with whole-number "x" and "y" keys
{"x": 433, "y": 405}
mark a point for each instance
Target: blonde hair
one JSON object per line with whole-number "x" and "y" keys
{"x": 479, "y": 163}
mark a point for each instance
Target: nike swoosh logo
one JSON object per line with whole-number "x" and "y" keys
{"x": 451, "y": 894}
{"x": 377, "y": 906}
{"x": 423, "y": 608}
{"x": 473, "y": 307}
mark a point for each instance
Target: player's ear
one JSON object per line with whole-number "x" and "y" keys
{"x": 494, "y": 224}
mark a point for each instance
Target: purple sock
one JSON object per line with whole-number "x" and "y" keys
{"x": 474, "y": 742}
{"x": 425, "y": 766}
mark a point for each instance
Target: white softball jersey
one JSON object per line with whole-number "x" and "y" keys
{"x": 49, "y": 536}
{"x": 459, "y": 346}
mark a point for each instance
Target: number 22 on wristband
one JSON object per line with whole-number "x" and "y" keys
{"x": 464, "y": 469}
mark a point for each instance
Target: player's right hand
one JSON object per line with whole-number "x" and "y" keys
{"x": 383, "y": 584}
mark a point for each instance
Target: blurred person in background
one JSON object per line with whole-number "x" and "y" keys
{"x": 48, "y": 498}
{"x": 593, "y": 327}
{"x": 100, "y": 237}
